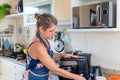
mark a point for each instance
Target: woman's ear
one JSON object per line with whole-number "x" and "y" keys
{"x": 41, "y": 29}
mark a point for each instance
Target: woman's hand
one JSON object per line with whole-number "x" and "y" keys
{"x": 58, "y": 56}
{"x": 69, "y": 56}
{"x": 78, "y": 77}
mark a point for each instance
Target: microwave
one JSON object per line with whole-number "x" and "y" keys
{"x": 98, "y": 15}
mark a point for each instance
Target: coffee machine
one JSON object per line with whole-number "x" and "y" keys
{"x": 80, "y": 66}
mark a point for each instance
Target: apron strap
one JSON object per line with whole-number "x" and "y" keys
{"x": 41, "y": 40}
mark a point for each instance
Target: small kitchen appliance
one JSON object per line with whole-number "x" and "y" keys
{"x": 75, "y": 65}
{"x": 81, "y": 65}
{"x": 18, "y": 52}
{"x": 87, "y": 55}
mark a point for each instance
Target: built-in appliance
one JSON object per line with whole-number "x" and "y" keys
{"x": 79, "y": 66}
{"x": 98, "y": 15}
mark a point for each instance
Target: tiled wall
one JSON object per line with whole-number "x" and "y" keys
{"x": 104, "y": 46}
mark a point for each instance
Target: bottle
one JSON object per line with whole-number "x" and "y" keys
{"x": 3, "y": 46}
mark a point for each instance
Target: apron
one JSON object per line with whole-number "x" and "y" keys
{"x": 35, "y": 70}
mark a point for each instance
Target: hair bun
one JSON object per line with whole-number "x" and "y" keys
{"x": 36, "y": 15}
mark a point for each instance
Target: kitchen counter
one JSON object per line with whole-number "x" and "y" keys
{"x": 105, "y": 71}
{"x": 19, "y": 62}
{"x": 11, "y": 69}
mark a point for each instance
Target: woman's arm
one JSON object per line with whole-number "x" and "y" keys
{"x": 40, "y": 52}
{"x": 63, "y": 55}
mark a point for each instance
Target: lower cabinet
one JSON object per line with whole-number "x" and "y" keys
{"x": 10, "y": 70}
{"x": 19, "y": 72}
{"x": 2, "y": 77}
{"x": 7, "y": 70}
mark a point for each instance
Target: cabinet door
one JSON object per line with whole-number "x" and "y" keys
{"x": 26, "y": 1}
{"x": 2, "y": 77}
{"x": 29, "y": 1}
{"x": 0, "y": 66}
{"x": 19, "y": 70}
{"x": 62, "y": 9}
{"x": 7, "y": 69}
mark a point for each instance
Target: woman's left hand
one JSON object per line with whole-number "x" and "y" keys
{"x": 69, "y": 56}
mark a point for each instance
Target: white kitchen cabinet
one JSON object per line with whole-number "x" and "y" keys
{"x": 59, "y": 8}
{"x": 7, "y": 70}
{"x": 62, "y": 9}
{"x": 10, "y": 70}
{"x": 3, "y": 77}
{"x": 19, "y": 72}
{"x": 26, "y": 1}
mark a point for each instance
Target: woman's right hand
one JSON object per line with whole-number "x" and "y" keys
{"x": 78, "y": 77}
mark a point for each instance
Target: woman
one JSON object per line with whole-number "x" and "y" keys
{"x": 40, "y": 56}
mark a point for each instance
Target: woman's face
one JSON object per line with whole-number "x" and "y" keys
{"x": 49, "y": 33}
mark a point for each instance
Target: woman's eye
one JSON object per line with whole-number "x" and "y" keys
{"x": 52, "y": 31}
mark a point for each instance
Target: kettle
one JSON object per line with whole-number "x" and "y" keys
{"x": 97, "y": 71}
{"x": 17, "y": 47}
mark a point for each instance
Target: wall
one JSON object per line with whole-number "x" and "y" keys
{"x": 11, "y": 2}
{"x": 104, "y": 47}
{"x": 9, "y": 21}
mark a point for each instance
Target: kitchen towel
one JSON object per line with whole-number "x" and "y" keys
{"x": 7, "y": 44}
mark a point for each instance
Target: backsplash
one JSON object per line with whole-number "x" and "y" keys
{"x": 104, "y": 47}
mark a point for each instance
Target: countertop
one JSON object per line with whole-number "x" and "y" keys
{"x": 105, "y": 71}
{"x": 19, "y": 62}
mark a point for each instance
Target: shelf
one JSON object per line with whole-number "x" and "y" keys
{"x": 64, "y": 22}
{"x": 6, "y": 35}
{"x": 15, "y": 15}
{"x": 37, "y": 3}
{"x": 94, "y": 30}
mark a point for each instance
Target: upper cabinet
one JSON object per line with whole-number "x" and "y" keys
{"x": 62, "y": 9}
{"x": 59, "y": 8}
{"x": 26, "y": 1}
